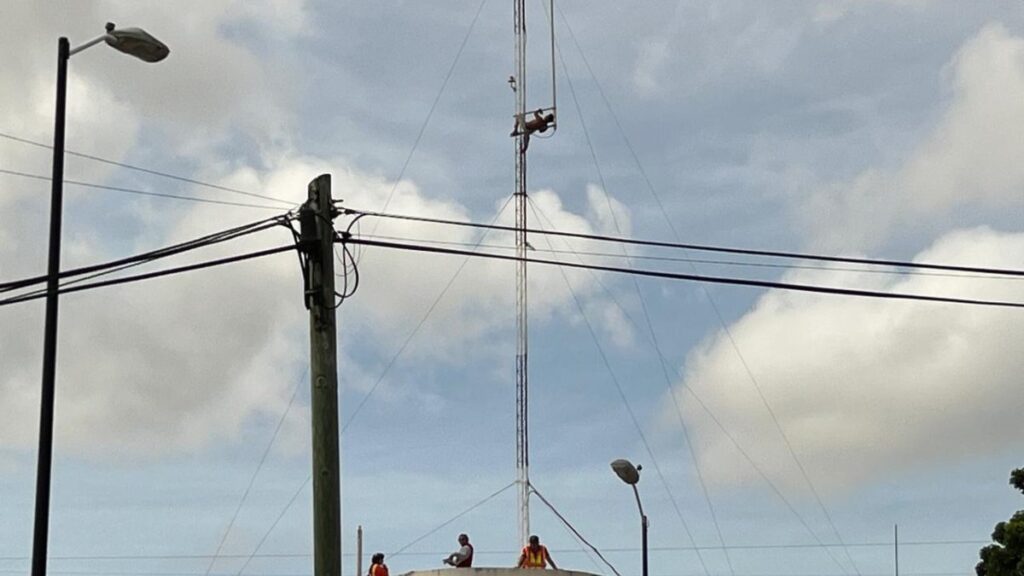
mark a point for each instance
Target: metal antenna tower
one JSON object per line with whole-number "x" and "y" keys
{"x": 542, "y": 120}
{"x": 522, "y": 413}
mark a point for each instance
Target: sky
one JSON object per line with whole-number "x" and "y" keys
{"x": 780, "y": 433}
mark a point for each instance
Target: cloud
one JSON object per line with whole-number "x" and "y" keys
{"x": 866, "y": 388}
{"x": 970, "y": 161}
{"x": 184, "y": 362}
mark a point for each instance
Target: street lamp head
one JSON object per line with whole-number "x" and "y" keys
{"x": 626, "y": 471}
{"x": 136, "y": 42}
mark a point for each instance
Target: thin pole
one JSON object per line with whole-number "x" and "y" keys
{"x": 896, "y": 546}
{"x": 643, "y": 528}
{"x": 644, "y": 520}
{"x": 359, "y": 550}
{"x": 317, "y": 219}
{"x": 522, "y": 344}
{"x": 554, "y": 82}
{"x": 45, "y": 456}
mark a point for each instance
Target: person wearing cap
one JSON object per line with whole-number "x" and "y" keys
{"x": 377, "y": 566}
{"x": 535, "y": 555}
{"x": 463, "y": 557}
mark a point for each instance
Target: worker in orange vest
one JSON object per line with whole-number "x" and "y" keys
{"x": 535, "y": 555}
{"x": 378, "y": 567}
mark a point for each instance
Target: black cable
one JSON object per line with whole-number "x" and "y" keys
{"x": 704, "y": 247}
{"x": 141, "y": 192}
{"x": 736, "y": 263}
{"x": 725, "y": 431}
{"x": 147, "y": 170}
{"x": 166, "y": 251}
{"x": 156, "y": 274}
{"x": 433, "y": 106}
{"x": 701, "y": 278}
{"x": 252, "y": 480}
{"x": 453, "y": 519}
{"x": 571, "y": 527}
{"x": 423, "y": 320}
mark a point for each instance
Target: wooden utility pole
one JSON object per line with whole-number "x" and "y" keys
{"x": 316, "y": 218}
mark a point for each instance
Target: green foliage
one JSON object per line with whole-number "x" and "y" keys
{"x": 1006, "y": 556}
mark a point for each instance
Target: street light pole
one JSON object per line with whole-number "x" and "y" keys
{"x": 631, "y": 475}
{"x": 45, "y": 457}
{"x": 137, "y": 43}
{"x": 643, "y": 527}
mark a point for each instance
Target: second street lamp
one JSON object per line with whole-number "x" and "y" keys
{"x": 631, "y": 475}
{"x": 137, "y": 43}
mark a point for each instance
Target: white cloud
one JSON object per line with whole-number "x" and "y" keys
{"x": 867, "y": 388}
{"x": 970, "y": 160}
{"x": 181, "y": 362}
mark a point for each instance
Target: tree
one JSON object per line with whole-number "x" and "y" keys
{"x": 1006, "y": 556}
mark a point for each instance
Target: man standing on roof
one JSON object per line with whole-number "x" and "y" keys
{"x": 463, "y": 557}
{"x": 535, "y": 555}
{"x": 377, "y": 566}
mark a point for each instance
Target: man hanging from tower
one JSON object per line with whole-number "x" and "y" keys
{"x": 539, "y": 123}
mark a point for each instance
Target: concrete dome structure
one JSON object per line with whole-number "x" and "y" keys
{"x": 496, "y": 572}
{"x": 483, "y": 571}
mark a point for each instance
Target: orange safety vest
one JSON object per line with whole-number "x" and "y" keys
{"x": 536, "y": 559}
{"x": 378, "y": 570}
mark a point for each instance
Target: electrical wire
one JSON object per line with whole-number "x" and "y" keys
{"x": 714, "y": 305}
{"x": 156, "y": 274}
{"x": 571, "y": 527}
{"x": 632, "y": 415}
{"x": 252, "y": 480}
{"x": 433, "y": 107}
{"x": 95, "y": 270}
{"x": 147, "y": 170}
{"x": 725, "y": 431}
{"x": 654, "y": 338}
{"x": 702, "y": 278}
{"x": 423, "y": 320}
{"x": 736, "y": 263}
{"x": 453, "y": 519}
{"x": 704, "y": 247}
{"x": 140, "y": 192}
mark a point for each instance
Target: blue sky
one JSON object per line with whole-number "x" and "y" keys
{"x": 878, "y": 128}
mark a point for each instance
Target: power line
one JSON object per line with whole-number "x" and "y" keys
{"x": 702, "y": 278}
{"x": 650, "y": 330}
{"x": 453, "y": 518}
{"x": 156, "y": 274}
{"x": 252, "y": 480}
{"x": 725, "y": 431}
{"x": 632, "y": 416}
{"x": 423, "y": 320}
{"x": 574, "y": 531}
{"x": 703, "y": 247}
{"x": 722, "y": 322}
{"x": 95, "y": 270}
{"x": 433, "y": 106}
{"x": 147, "y": 170}
{"x": 736, "y": 263}
{"x": 141, "y": 192}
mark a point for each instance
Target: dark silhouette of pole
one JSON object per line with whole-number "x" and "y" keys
{"x": 44, "y": 461}
{"x": 643, "y": 527}
{"x": 316, "y": 218}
